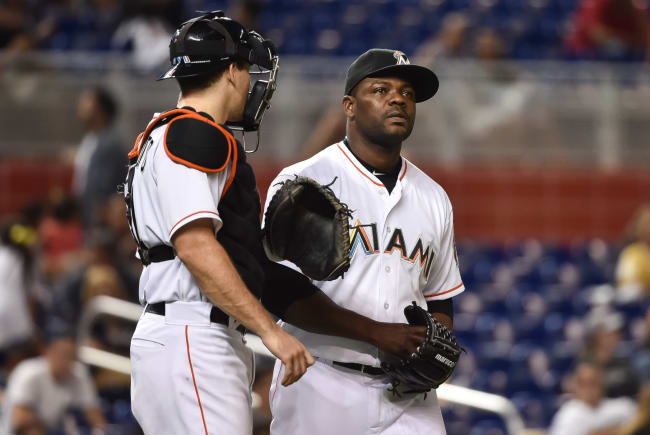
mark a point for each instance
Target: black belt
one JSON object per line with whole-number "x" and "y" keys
{"x": 369, "y": 370}
{"x": 216, "y": 315}
{"x": 157, "y": 254}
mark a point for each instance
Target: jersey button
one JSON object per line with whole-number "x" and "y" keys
{"x": 387, "y": 269}
{"x": 386, "y": 306}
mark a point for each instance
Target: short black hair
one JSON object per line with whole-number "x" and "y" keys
{"x": 200, "y": 82}
{"x": 106, "y": 102}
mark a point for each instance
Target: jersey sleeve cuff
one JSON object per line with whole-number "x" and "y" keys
{"x": 194, "y": 216}
{"x": 445, "y": 294}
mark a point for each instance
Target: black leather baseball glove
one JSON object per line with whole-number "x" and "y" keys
{"x": 432, "y": 363}
{"x": 306, "y": 224}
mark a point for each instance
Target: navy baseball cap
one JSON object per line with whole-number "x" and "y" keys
{"x": 381, "y": 62}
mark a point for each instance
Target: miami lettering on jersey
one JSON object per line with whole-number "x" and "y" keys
{"x": 370, "y": 246}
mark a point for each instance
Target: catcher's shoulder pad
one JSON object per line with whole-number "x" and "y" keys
{"x": 195, "y": 141}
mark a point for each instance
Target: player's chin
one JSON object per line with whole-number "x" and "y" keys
{"x": 398, "y": 130}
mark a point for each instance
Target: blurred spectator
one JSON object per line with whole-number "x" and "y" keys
{"x": 41, "y": 392}
{"x": 489, "y": 45}
{"x": 112, "y": 218}
{"x": 589, "y": 412}
{"x": 60, "y": 235}
{"x": 329, "y": 129}
{"x": 100, "y": 161}
{"x": 640, "y": 424}
{"x": 246, "y": 12}
{"x": 146, "y": 32}
{"x": 100, "y": 275}
{"x": 642, "y": 356}
{"x": 611, "y": 30}
{"x": 449, "y": 42}
{"x": 619, "y": 376}
{"x": 18, "y": 238}
{"x": 633, "y": 266}
{"x": 105, "y": 271}
{"x": 477, "y": 115}
{"x": 13, "y": 22}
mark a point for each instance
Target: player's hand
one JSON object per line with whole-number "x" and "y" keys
{"x": 399, "y": 339}
{"x": 290, "y": 351}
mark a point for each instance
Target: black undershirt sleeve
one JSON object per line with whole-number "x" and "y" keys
{"x": 283, "y": 286}
{"x": 445, "y": 306}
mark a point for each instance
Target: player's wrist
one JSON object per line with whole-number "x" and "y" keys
{"x": 269, "y": 330}
{"x": 371, "y": 334}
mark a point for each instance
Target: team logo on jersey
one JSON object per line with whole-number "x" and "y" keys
{"x": 365, "y": 237}
{"x": 401, "y": 58}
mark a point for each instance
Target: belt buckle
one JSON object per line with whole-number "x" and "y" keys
{"x": 363, "y": 368}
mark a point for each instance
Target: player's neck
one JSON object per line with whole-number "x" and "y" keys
{"x": 382, "y": 157}
{"x": 214, "y": 104}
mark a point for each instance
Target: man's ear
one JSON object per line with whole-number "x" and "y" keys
{"x": 231, "y": 73}
{"x": 349, "y": 106}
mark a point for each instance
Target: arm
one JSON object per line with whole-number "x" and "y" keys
{"x": 95, "y": 418}
{"x": 443, "y": 311}
{"x": 217, "y": 277}
{"x": 319, "y": 314}
{"x": 24, "y": 421}
{"x": 291, "y": 296}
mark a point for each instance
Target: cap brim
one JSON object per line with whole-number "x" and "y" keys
{"x": 424, "y": 81}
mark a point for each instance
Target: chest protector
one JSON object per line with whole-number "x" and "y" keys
{"x": 195, "y": 141}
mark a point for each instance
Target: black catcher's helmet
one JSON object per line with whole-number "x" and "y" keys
{"x": 204, "y": 43}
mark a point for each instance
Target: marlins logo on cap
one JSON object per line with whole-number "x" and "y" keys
{"x": 401, "y": 58}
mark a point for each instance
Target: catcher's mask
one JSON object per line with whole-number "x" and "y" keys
{"x": 205, "y": 43}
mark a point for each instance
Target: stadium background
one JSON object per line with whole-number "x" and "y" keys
{"x": 539, "y": 138}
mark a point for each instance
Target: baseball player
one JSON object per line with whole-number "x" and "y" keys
{"x": 188, "y": 181}
{"x": 403, "y": 250}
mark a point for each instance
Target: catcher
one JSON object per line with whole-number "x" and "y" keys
{"x": 379, "y": 256}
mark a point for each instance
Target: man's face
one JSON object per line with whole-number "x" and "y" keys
{"x": 384, "y": 109}
{"x": 588, "y": 384}
{"x": 86, "y": 107}
{"x": 61, "y": 355}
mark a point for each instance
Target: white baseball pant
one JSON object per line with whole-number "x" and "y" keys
{"x": 190, "y": 376}
{"x": 329, "y": 399}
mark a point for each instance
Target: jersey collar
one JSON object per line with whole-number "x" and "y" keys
{"x": 361, "y": 169}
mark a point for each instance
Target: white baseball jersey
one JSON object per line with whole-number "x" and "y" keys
{"x": 402, "y": 249}
{"x": 402, "y": 246}
{"x": 167, "y": 196}
{"x": 188, "y": 374}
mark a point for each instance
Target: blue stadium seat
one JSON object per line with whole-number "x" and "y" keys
{"x": 554, "y": 326}
{"x": 485, "y": 324}
{"x": 530, "y": 328}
